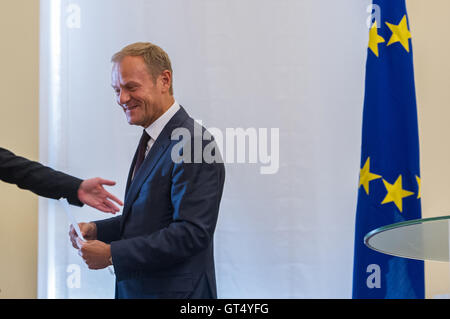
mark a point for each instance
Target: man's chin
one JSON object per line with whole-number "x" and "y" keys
{"x": 132, "y": 121}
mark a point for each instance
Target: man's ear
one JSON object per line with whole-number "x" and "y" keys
{"x": 165, "y": 79}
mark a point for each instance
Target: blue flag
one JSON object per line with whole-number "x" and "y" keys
{"x": 389, "y": 182}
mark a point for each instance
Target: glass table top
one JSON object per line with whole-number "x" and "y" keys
{"x": 422, "y": 239}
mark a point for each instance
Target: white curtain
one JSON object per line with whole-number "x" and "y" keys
{"x": 291, "y": 71}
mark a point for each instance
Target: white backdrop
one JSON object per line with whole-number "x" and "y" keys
{"x": 293, "y": 65}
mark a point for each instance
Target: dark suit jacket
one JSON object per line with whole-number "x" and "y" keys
{"x": 162, "y": 244}
{"x": 38, "y": 178}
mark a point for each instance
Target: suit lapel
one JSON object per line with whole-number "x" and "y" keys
{"x": 155, "y": 153}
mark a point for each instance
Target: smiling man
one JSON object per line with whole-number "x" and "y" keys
{"x": 137, "y": 92}
{"x": 162, "y": 244}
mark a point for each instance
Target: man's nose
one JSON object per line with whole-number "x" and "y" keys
{"x": 124, "y": 97}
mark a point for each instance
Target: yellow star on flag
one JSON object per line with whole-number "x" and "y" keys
{"x": 418, "y": 183}
{"x": 400, "y": 33}
{"x": 365, "y": 176}
{"x": 374, "y": 39}
{"x": 396, "y": 193}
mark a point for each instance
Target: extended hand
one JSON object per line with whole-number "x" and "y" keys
{"x": 95, "y": 253}
{"x": 92, "y": 193}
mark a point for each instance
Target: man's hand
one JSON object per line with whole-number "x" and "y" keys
{"x": 92, "y": 193}
{"x": 95, "y": 253}
{"x": 88, "y": 230}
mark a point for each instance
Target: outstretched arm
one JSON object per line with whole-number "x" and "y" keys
{"x": 47, "y": 182}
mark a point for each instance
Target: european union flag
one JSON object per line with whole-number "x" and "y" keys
{"x": 389, "y": 182}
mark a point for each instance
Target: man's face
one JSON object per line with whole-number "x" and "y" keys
{"x": 138, "y": 95}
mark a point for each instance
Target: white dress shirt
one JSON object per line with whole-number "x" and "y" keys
{"x": 157, "y": 126}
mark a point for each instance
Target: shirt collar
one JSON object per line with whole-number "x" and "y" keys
{"x": 157, "y": 126}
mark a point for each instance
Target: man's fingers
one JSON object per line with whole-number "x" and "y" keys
{"x": 114, "y": 209}
{"x": 93, "y": 193}
{"x": 104, "y": 208}
{"x": 109, "y": 195}
{"x": 74, "y": 245}
{"x": 112, "y": 197}
{"x": 72, "y": 233}
{"x": 111, "y": 204}
{"x": 107, "y": 182}
{"x": 80, "y": 243}
{"x": 73, "y": 236}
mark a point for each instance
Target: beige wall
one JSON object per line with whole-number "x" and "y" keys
{"x": 430, "y": 26}
{"x": 19, "y": 63}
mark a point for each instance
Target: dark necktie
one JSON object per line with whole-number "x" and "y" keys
{"x": 141, "y": 151}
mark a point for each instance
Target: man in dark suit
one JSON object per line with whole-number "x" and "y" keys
{"x": 162, "y": 244}
{"x": 47, "y": 182}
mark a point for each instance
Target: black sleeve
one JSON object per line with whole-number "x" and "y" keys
{"x": 38, "y": 178}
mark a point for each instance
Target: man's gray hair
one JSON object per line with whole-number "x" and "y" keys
{"x": 154, "y": 57}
